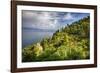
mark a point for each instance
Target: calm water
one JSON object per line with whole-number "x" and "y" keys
{"x": 31, "y": 36}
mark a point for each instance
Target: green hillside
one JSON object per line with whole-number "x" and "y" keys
{"x": 68, "y": 43}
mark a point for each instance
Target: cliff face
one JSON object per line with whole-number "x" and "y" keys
{"x": 68, "y": 43}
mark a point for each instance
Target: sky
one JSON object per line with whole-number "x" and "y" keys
{"x": 49, "y": 20}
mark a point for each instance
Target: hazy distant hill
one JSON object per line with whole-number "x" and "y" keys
{"x": 39, "y": 30}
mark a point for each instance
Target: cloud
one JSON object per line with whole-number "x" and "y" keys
{"x": 38, "y": 19}
{"x": 68, "y": 16}
{"x": 48, "y": 20}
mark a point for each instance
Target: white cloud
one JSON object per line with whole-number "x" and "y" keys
{"x": 68, "y": 16}
{"x": 43, "y": 20}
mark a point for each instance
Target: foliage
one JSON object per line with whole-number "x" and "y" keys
{"x": 68, "y": 43}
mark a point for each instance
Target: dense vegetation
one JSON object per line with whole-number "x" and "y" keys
{"x": 68, "y": 43}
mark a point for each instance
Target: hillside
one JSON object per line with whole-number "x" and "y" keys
{"x": 68, "y": 43}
